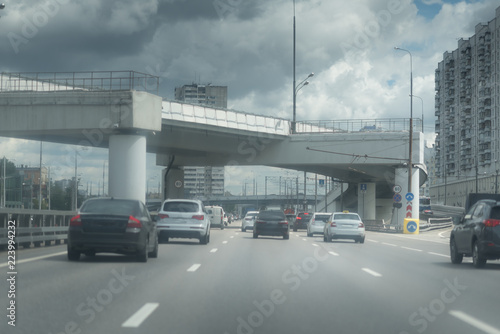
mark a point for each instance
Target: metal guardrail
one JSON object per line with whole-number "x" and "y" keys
{"x": 88, "y": 81}
{"x": 33, "y": 227}
{"x": 359, "y": 125}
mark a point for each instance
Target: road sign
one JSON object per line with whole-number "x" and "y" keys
{"x": 362, "y": 187}
{"x": 409, "y": 197}
{"x": 397, "y": 189}
{"x": 397, "y": 198}
{"x": 411, "y": 226}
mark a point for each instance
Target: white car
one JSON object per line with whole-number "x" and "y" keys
{"x": 249, "y": 220}
{"x": 344, "y": 225}
{"x": 183, "y": 218}
{"x": 317, "y": 223}
{"x": 216, "y": 214}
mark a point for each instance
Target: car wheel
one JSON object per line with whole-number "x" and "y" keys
{"x": 478, "y": 260}
{"x": 255, "y": 235}
{"x": 73, "y": 255}
{"x": 205, "y": 239}
{"x": 309, "y": 234}
{"x": 324, "y": 238}
{"x": 90, "y": 253}
{"x": 154, "y": 253}
{"x": 455, "y": 256}
{"x": 295, "y": 229}
{"x": 142, "y": 255}
{"x": 222, "y": 227}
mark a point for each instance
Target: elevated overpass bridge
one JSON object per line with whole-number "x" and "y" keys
{"x": 122, "y": 111}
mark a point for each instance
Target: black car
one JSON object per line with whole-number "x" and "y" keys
{"x": 477, "y": 234}
{"x": 302, "y": 220}
{"x": 271, "y": 222}
{"x": 110, "y": 225}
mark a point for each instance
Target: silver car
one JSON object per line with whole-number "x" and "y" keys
{"x": 183, "y": 218}
{"x": 248, "y": 221}
{"x": 344, "y": 225}
{"x": 317, "y": 223}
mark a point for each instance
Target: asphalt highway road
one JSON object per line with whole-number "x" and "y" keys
{"x": 392, "y": 283}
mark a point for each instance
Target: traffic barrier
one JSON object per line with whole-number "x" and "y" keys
{"x": 34, "y": 227}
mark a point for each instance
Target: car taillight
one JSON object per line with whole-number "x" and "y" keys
{"x": 198, "y": 217}
{"x": 76, "y": 221}
{"x": 361, "y": 225}
{"x": 491, "y": 222}
{"x": 133, "y": 222}
{"x": 162, "y": 215}
{"x": 298, "y": 218}
{"x": 333, "y": 224}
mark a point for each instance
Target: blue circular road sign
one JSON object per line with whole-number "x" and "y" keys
{"x": 411, "y": 226}
{"x": 409, "y": 197}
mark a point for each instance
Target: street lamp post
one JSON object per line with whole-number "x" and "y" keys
{"x": 422, "y": 101}
{"x": 296, "y": 88}
{"x": 410, "y": 167}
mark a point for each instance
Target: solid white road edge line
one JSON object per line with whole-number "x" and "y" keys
{"x": 474, "y": 322}
{"x": 371, "y": 272}
{"x": 194, "y": 267}
{"x": 33, "y": 259}
{"x": 138, "y": 317}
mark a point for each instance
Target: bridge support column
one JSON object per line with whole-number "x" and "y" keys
{"x": 173, "y": 184}
{"x": 127, "y": 166}
{"x": 409, "y": 197}
{"x": 367, "y": 200}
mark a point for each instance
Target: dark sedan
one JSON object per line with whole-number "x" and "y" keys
{"x": 110, "y": 225}
{"x": 302, "y": 220}
{"x": 477, "y": 234}
{"x": 271, "y": 222}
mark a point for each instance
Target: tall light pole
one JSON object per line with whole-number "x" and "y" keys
{"x": 410, "y": 167}
{"x": 421, "y": 100}
{"x": 296, "y": 87}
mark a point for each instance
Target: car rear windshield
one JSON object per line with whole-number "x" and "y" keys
{"x": 271, "y": 215}
{"x": 111, "y": 207}
{"x": 349, "y": 216}
{"x": 180, "y": 207}
{"x": 323, "y": 218}
{"x": 495, "y": 212}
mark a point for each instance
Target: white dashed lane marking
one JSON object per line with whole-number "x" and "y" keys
{"x": 194, "y": 267}
{"x": 138, "y": 317}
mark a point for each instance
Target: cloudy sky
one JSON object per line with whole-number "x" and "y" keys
{"x": 246, "y": 45}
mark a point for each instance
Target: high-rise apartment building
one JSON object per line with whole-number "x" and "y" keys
{"x": 203, "y": 181}
{"x": 467, "y": 105}
{"x": 207, "y": 95}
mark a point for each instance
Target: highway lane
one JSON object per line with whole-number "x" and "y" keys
{"x": 237, "y": 284}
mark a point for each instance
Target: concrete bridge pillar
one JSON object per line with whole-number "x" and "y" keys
{"x": 409, "y": 197}
{"x": 173, "y": 183}
{"x": 127, "y": 166}
{"x": 367, "y": 200}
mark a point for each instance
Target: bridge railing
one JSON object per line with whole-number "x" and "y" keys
{"x": 359, "y": 125}
{"x": 89, "y": 81}
{"x": 224, "y": 118}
